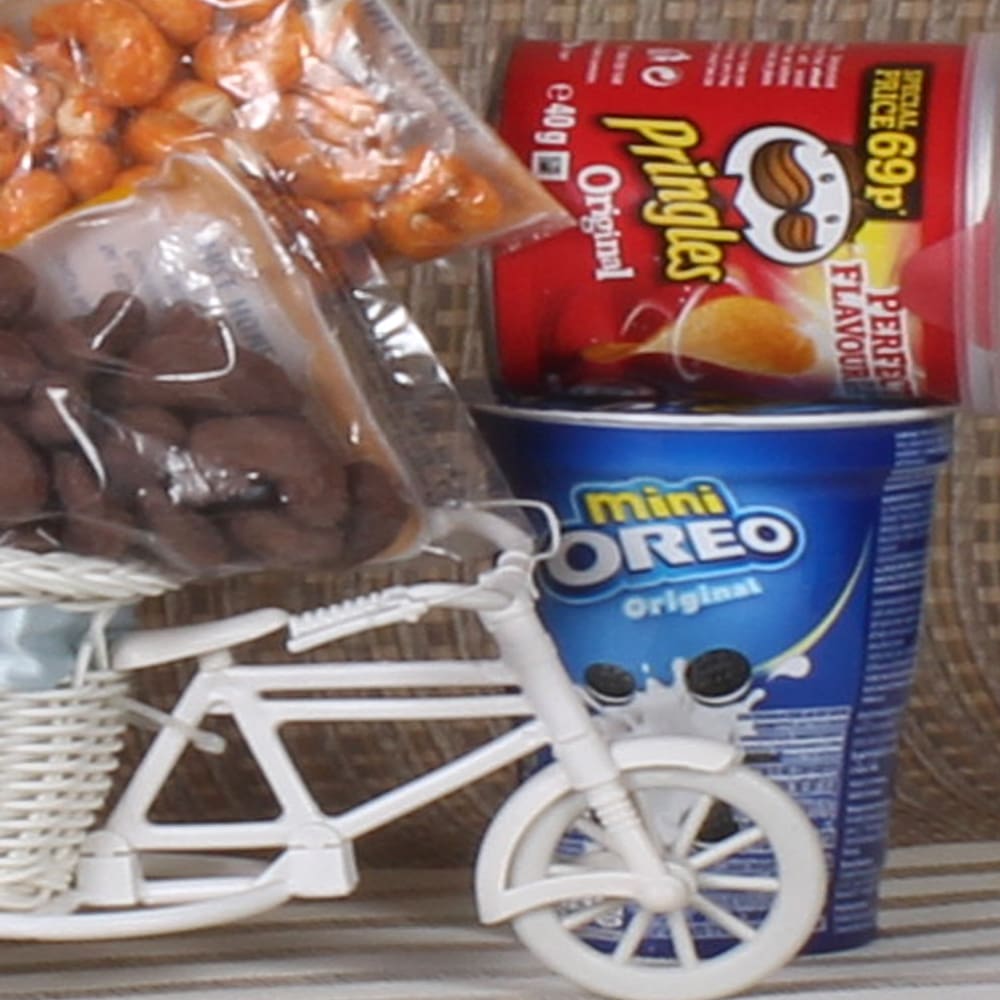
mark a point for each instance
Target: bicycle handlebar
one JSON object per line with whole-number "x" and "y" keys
{"x": 482, "y": 521}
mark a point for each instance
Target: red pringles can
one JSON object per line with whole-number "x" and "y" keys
{"x": 755, "y": 220}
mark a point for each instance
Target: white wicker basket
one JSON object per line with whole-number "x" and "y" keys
{"x": 75, "y": 581}
{"x": 58, "y": 752}
{"x": 59, "y": 748}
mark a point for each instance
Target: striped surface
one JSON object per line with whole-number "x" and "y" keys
{"x": 413, "y": 936}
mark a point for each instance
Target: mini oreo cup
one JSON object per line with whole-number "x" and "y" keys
{"x": 755, "y": 577}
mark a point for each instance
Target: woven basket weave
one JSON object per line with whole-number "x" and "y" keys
{"x": 58, "y": 753}
{"x": 949, "y": 781}
{"x": 60, "y": 748}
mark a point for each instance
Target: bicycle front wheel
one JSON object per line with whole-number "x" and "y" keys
{"x": 750, "y": 859}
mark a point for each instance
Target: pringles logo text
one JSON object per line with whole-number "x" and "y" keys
{"x": 646, "y": 531}
{"x": 796, "y": 194}
{"x": 695, "y": 238}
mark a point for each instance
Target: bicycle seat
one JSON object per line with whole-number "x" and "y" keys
{"x": 149, "y": 647}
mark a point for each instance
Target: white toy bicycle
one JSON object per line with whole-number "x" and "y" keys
{"x": 574, "y": 851}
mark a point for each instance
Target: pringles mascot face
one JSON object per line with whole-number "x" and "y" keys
{"x": 796, "y": 193}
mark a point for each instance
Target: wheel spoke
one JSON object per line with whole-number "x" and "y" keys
{"x": 596, "y": 860}
{"x": 693, "y": 822}
{"x": 562, "y": 868}
{"x": 726, "y": 920}
{"x": 680, "y": 935}
{"x": 739, "y": 883}
{"x": 646, "y": 811}
{"x": 588, "y": 914}
{"x": 725, "y": 849}
{"x": 592, "y": 830}
{"x": 632, "y": 938}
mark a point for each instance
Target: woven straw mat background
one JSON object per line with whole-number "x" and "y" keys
{"x": 948, "y": 785}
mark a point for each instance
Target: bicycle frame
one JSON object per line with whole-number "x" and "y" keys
{"x": 526, "y": 684}
{"x": 241, "y": 691}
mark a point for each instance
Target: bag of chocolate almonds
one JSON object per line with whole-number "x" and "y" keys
{"x": 175, "y": 389}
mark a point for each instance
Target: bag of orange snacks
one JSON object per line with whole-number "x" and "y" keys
{"x": 329, "y": 103}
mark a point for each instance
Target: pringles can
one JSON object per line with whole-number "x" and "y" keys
{"x": 755, "y": 578}
{"x": 755, "y": 220}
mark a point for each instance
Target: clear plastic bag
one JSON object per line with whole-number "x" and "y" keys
{"x": 330, "y": 102}
{"x": 176, "y": 389}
